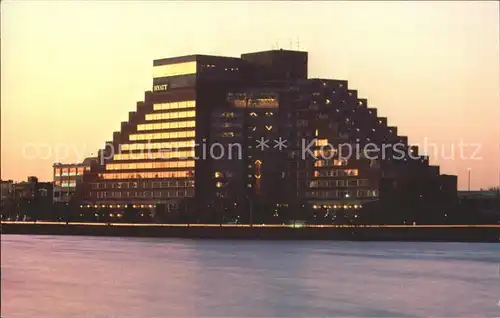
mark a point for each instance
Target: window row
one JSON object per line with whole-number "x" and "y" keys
{"x": 150, "y": 165}
{"x": 228, "y": 115}
{"x": 144, "y": 184}
{"x": 175, "y": 105}
{"x": 330, "y": 163}
{"x": 164, "y": 135}
{"x": 184, "y": 68}
{"x": 231, "y": 125}
{"x": 68, "y": 174}
{"x": 172, "y": 115}
{"x": 159, "y": 145}
{"x": 247, "y": 102}
{"x": 155, "y": 155}
{"x": 325, "y": 153}
{"x": 338, "y": 194}
{"x": 338, "y": 183}
{"x": 336, "y": 173}
{"x": 159, "y": 126}
{"x": 144, "y": 194}
{"x": 70, "y": 171}
{"x": 148, "y": 175}
{"x": 63, "y": 194}
{"x": 65, "y": 184}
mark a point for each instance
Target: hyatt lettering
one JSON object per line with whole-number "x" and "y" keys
{"x": 159, "y": 88}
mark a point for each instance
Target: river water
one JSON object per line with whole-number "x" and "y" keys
{"x": 65, "y": 276}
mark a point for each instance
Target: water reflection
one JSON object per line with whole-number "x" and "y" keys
{"x": 44, "y": 276}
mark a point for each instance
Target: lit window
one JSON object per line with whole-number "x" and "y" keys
{"x": 170, "y": 115}
{"x": 176, "y": 69}
{"x": 151, "y": 165}
{"x": 175, "y": 105}
{"x": 218, "y": 174}
{"x": 340, "y": 162}
{"x": 319, "y": 163}
{"x": 149, "y": 175}
{"x": 167, "y": 135}
{"x": 321, "y": 142}
{"x": 351, "y": 172}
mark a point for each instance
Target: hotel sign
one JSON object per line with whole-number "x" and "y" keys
{"x": 160, "y": 88}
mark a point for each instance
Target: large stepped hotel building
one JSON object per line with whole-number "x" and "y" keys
{"x": 223, "y": 133}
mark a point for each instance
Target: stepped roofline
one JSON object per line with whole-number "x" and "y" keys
{"x": 189, "y": 58}
{"x": 194, "y": 57}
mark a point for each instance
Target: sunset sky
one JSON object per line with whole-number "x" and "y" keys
{"x": 72, "y": 70}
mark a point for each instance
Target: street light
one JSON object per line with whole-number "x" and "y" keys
{"x": 468, "y": 173}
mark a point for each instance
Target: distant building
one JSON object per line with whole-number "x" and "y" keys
{"x": 32, "y": 189}
{"x": 26, "y": 189}
{"x": 66, "y": 176}
{"x": 7, "y": 189}
{"x": 29, "y": 198}
{"x": 480, "y": 201}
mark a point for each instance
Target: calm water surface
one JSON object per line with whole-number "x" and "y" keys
{"x": 50, "y": 276}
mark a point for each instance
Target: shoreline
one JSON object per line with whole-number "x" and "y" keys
{"x": 423, "y": 233}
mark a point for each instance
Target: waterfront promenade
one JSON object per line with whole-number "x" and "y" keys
{"x": 422, "y": 232}
{"x": 258, "y": 225}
